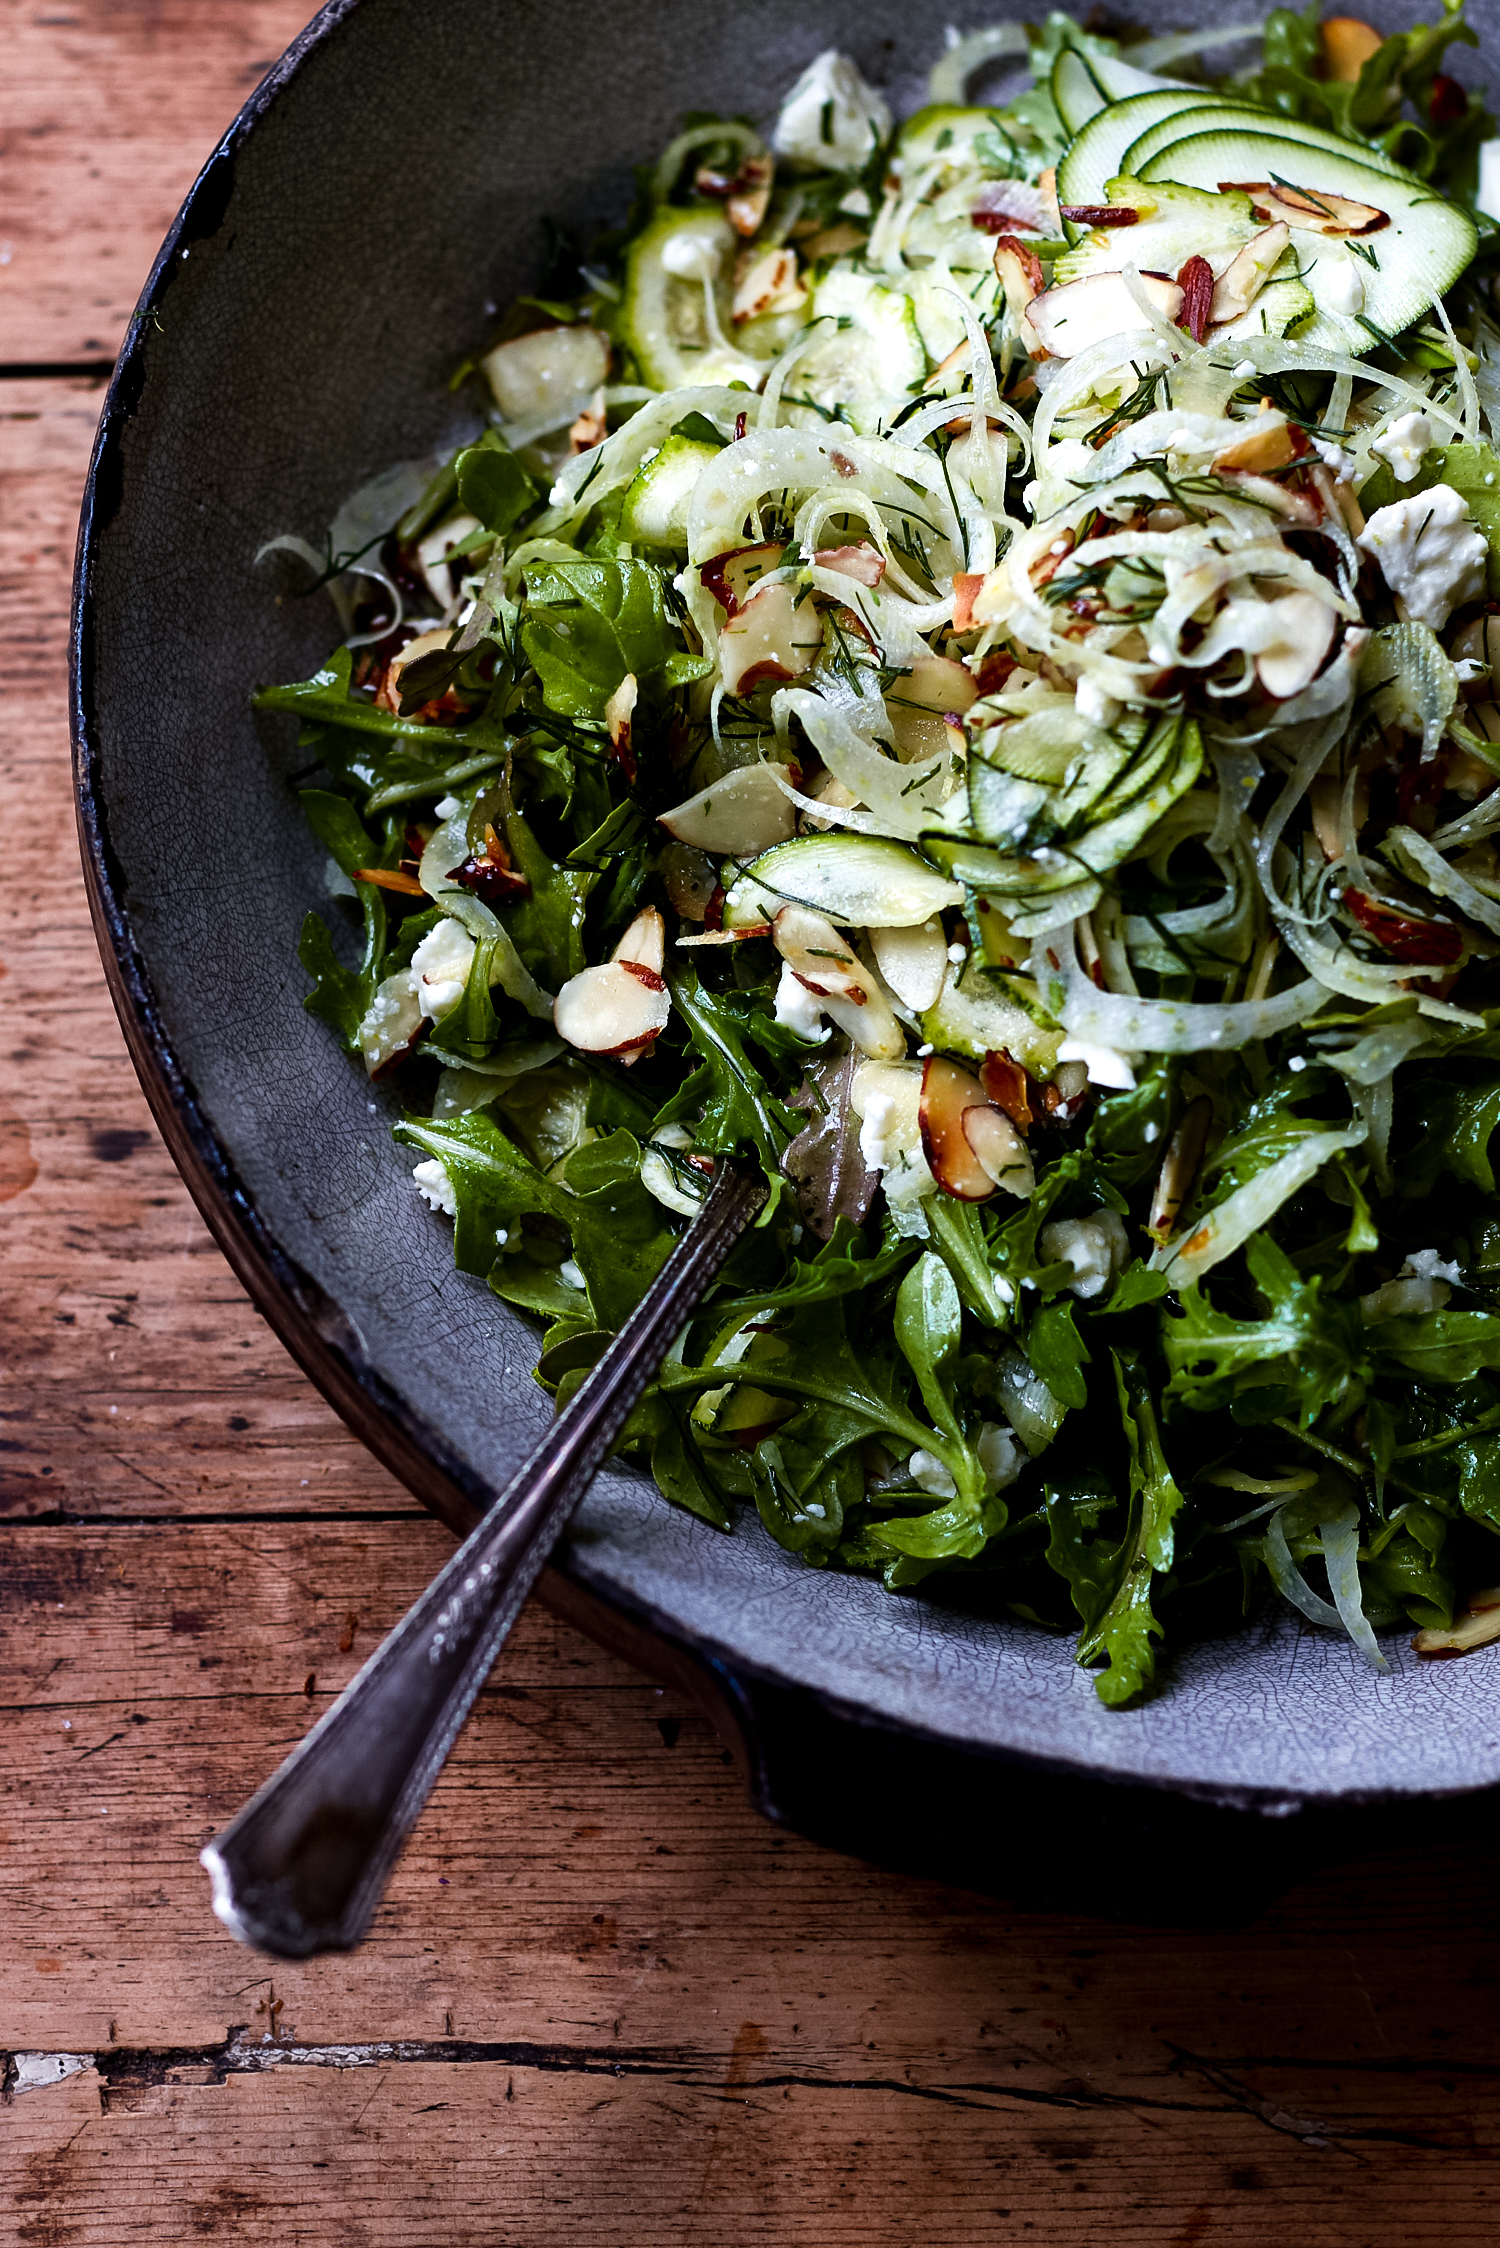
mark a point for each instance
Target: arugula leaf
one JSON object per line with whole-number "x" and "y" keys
{"x": 588, "y": 623}
{"x": 493, "y": 485}
{"x": 738, "y": 1107}
{"x": 1308, "y": 1353}
{"x": 619, "y": 1234}
{"x": 929, "y": 1325}
{"x": 1112, "y": 1588}
{"x": 1446, "y": 1123}
{"x": 1058, "y": 1353}
{"x": 1136, "y": 1285}
{"x": 326, "y": 698}
{"x": 341, "y": 996}
{"x": 678, "y": 1467}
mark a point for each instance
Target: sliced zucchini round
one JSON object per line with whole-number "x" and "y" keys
{"x": 1217, "y": 116}
{"x": 872, "y": 361}
{"x": 1083, "y": 84}
{"x": 943, "y": 129}
{"x": 859, "y": 881}
{"x": 669, "y": 269}
{"x": 655, "y": 507}
{"x": 1398, "y": 271}
{"x": 1097, "y": 154}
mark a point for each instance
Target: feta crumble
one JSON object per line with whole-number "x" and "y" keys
{"x": 435, "y": 1185}
{"x": 797, "y": 1008}
{"x": 1106, "y": 1065}
{"x": 831, "y": 120}
{"x": 440, "y": 968}
{"x": 1403, "y": 445}
{"x": 1429, "y": 554}
{"x": 1097, "y": 1247}
{"x": 1423, "y": 1284}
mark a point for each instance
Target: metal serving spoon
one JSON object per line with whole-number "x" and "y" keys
{"x": 301, "y": 1869}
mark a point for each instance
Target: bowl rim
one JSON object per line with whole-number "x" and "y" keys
{"x": 321, "y": 1338}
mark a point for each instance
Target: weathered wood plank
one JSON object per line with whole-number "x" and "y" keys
{"x": 111, "y": 107}
{"x": 137, "y": 1380}
{"x": 455, "y": 2156}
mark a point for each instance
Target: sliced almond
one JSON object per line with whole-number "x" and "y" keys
{"x": 1268, "y": 443}
{"x": 1476, "y": 1625}
{"x": 732, "y": 577}
{"x": 619, "y": 714}
{"x": 966, "y": 590}
{"x": 826, "y": 964}
{"x": 619, "y": 1007}
{"x": 864, "y": 563}
{"x": 1007, "y": 1086}
{"x": 738, "y": 816}
{"x": 1179, "y": 1167}
{"x": 913, "y": 962}
{"x": 954, "y": 1159}
{"x": 1313, "y": 210}
{"x": 1305, "y": 628}
{"x": 388, "y": 694}
{"x": 1242, "y": 280}
{"x": 999, "y": 1150}
{"x": 918, "y": 704}
{"x": 644, "y": 944}
{"x": 837, "y": 795}
{"x": 1348, "y": 44}
{"x": 1066, "y": 320}
{"x": 1023, "y": 277}
{"x": 770, "y": 283}
{"x": 777, "y": 634}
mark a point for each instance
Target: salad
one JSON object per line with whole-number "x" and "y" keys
{"x": 962, "y": 667}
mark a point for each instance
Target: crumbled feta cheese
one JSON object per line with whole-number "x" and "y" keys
{"x": 797, "y": 1008}
{"x": 569, "y": 1274}
{"x": 1404, "y": 443}
{"x": 1429, "y": 553}
{"x": 1340, "y": 286}
{"x": 440, "y": 968}
{"x": 999, "y": 1456}
{"x": 831, "y": 120}
{"x": 886, "y": 1097}
{"x": 1423, "y": 1284}
{"x": 688, "y": 256}
{"x": 1094, "y": 704}
{"x": 856, "y": 203}
{"x": 446, "y": 806}
{"x": 1335, "y": 458}
{"x": 957, "y": 955}
{"x": 1244, "y": 370}
{"x": 1097, "y": 1247}
{"x": 1106, "y": 1065}
{"x": 432, "y": 1181}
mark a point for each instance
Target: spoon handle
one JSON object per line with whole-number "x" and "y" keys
{"x": 301, "y": 1868}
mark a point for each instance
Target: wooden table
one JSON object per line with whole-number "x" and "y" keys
{"x": 605, "y": 2004}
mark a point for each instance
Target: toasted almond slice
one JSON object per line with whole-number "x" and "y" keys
{"x": 1348, "y": 44}
{"x": 966, "y": 589}
{"x": 918, "y": 703}
{"x": 728, "y": 936}
{"x": 1476, "y": 1625}
{"x": 827, "y": 965}
{"x": 738, "y": 816}
{"x": 864, "y": 563}
{"x": 776, "y": 635}
{"x": 1023, "y": 278}
{"x": 948, "y": 1093}
{"x": 913, "y": 962}
{"x": 644, "y": 943}
{"x": 618, "y": 1007}
{"x": 771, "y": 283}
{"x": 1243, "y": 279}
{"x": 1314, "y": 210}
{"x": 1268, "y": 443}
{"x": 1007, "y": 1086}
{"x": 1179, "y": 1166}
{"x": 732, "y": 577}
{"x": 1000, "y": 1150}
{"x": 1305, "y": 627}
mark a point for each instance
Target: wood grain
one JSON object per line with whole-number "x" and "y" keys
{"x": 604, "y": 2003}
{"x": 110, "y": 108}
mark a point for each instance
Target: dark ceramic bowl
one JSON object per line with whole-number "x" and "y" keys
{"x": 333, "y": 263}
